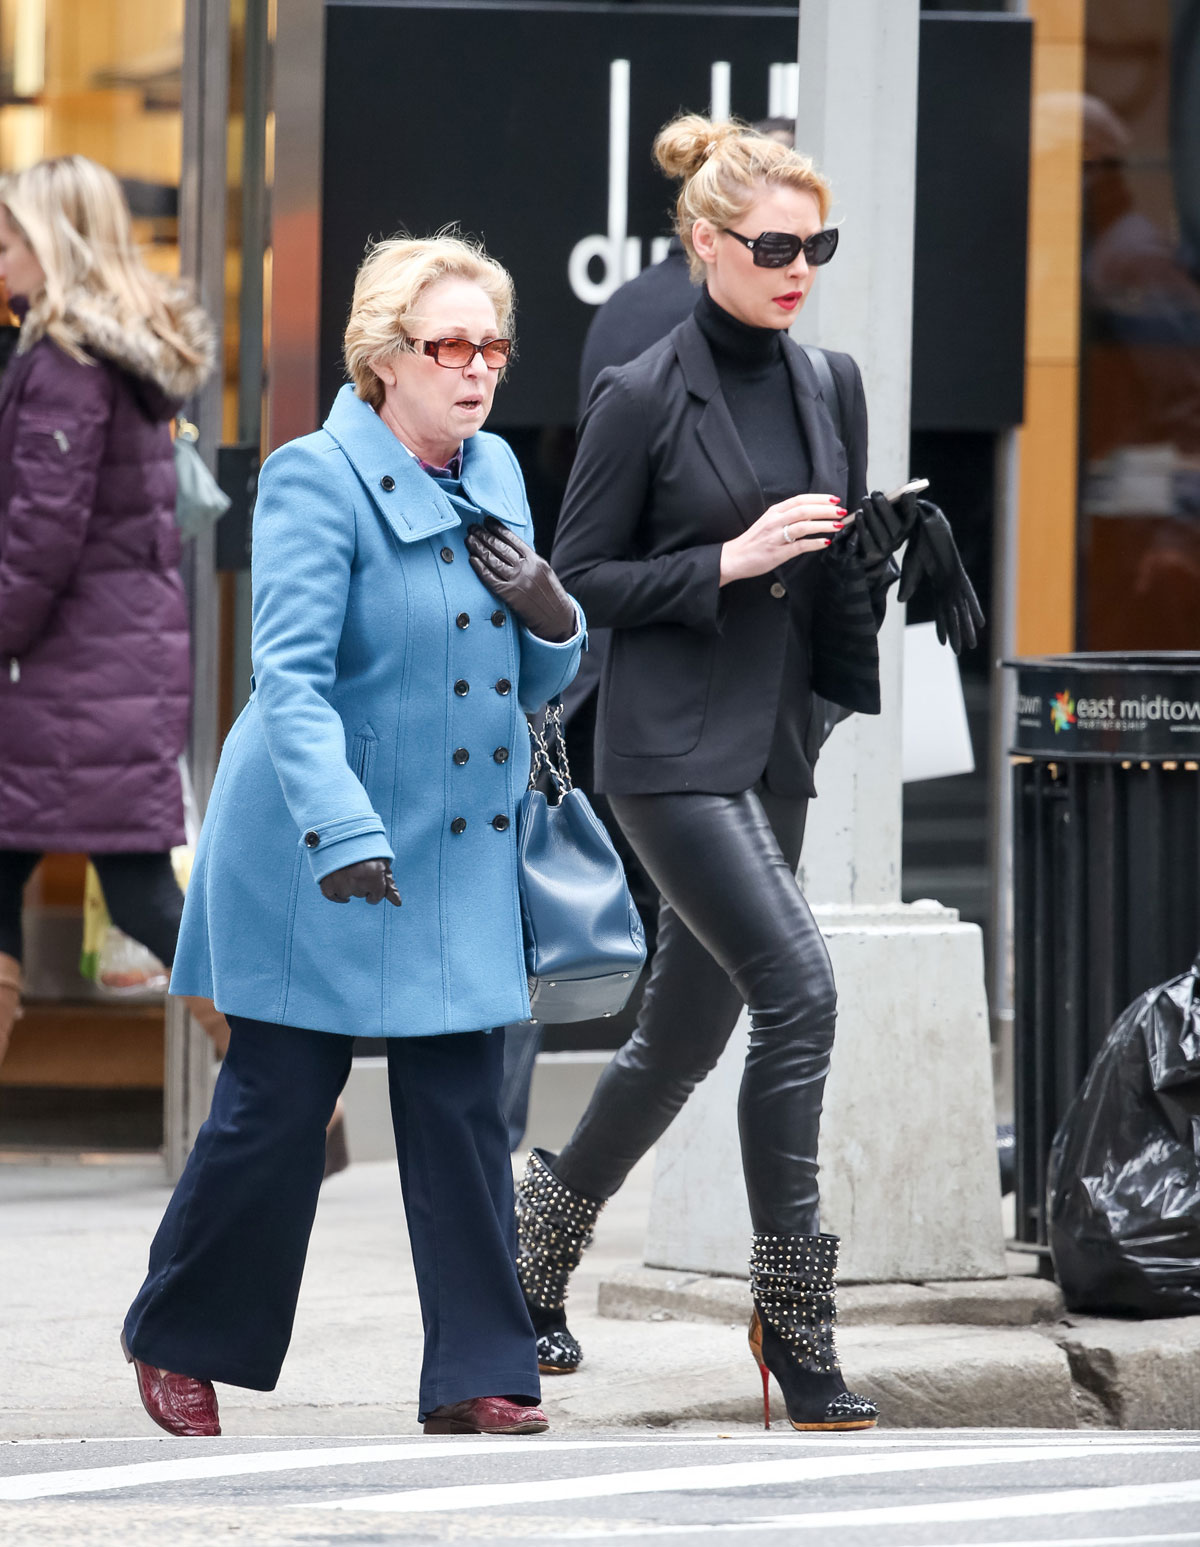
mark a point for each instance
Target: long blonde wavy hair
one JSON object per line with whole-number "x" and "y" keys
{"x": 74, "y": 216}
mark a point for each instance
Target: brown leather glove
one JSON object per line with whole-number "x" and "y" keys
{"x": 512, "y": 571}
{"x": 370, "y": 878}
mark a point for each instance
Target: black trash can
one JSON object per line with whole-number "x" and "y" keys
{"x": 1106, "y": 870}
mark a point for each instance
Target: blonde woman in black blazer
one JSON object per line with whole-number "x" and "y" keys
{"x": 706, "y": 524}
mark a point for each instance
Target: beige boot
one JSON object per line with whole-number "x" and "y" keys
{"x": 10, "y": 999}
{"x": 214, "y": 1024}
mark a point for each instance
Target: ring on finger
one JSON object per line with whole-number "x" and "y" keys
{"x": 787, "y": 533}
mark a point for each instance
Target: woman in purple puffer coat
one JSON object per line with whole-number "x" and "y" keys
{"x": 94, "y": 661}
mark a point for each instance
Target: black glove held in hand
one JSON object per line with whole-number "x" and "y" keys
{"x": 512, "y": 571}
{"x": 932, "y": 555}
{"x": 880, "y": 528}
{"x": 370, "y": 878}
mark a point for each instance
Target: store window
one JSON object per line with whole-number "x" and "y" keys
{"x": 1139, "y": 532}
{"x": 101, "y": 80}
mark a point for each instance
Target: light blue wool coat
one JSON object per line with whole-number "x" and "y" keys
{"x": 378, "y": 654}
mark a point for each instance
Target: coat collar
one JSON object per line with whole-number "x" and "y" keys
{"x": 414, "y": 505}
{"x": 719, "y": 439}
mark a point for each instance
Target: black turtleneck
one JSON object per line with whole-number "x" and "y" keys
{"x": 757, "y": 386}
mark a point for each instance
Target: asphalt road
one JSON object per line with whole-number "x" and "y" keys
{"x": 912, "y": 1488}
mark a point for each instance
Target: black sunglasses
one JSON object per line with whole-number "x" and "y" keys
{"x": 776, "y": 249}
{"x": 457, "y": 353}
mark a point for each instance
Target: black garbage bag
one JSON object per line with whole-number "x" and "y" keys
{"x": 1124, "y": 1172}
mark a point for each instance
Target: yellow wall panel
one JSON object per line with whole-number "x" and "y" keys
{"x": 1059, "y": 21}
{"x": 1046, "y": 519}
{"x": 1048, "y": 478}
{"x": 1055, "y": 204}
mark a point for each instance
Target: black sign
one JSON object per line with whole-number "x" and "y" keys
{"x": 1109, "y": 707}
{"x": 531, "y": 128}
{"x": 971, "y": 222}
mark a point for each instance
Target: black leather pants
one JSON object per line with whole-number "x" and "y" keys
{"x": 733, "y": 928}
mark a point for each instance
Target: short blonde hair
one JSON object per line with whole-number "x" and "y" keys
{"x": 73, "y": 214}
{"x": 388, "y": 288}
{"x": 724, "y": 167}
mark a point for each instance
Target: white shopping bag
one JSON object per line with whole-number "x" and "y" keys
{"x": 935, "y": 739}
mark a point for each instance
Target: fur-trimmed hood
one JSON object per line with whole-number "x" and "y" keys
{"x": 165, "y": 376}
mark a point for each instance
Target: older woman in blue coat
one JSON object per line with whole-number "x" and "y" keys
{"x": 402, "y": 625}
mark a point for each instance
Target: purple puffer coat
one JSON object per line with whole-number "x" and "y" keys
{"x": 94, "y": 659}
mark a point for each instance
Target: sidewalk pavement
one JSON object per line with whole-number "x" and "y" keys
{"x": 669, "y": 1348}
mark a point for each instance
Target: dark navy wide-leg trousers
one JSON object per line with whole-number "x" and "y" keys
{"x": 225, "y": 1266}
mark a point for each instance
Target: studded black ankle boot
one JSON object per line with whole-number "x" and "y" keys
{"x": 791, "y": 1333}
{"x": 554, "y": 1224}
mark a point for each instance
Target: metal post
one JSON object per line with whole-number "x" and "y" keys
{"x": 202, "y": 196}
{"x": 1000, "y": 788}
{"x": 293, "y": 406}
{"x": 255, "y": 232}
{"x": 256, "y": 56}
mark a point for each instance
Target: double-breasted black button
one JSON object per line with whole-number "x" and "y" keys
{"x": 462, "y": 687}
{"x": 463, "y": 620}
{"x": 498, "y": 618}
{"x": 461, "y": 756}
{"x": 459, "y": 825}
{"x": 312, "y": 839}
{"x": 778, "y": 591}
{"x": 504, "y": 687}
{"x": 387, "y": 483}
{"x": 500, "y": 823}
{"x": 500, "y": 755}
{"x": 447, "y": 555}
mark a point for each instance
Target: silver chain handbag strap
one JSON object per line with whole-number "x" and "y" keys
{"x": 549, "y": 750}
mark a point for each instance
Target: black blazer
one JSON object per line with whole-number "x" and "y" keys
{"x": 690, "y": 689}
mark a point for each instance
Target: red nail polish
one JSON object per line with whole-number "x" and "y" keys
{"x": 828, "y": 540}
{"x": 839, "y": 525}
{"x": 833, "y": 500}
{"x": 841, "y": 510}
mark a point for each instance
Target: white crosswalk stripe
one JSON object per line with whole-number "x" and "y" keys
{"x": 1025, "y": 1506}
{"x": 729, "y": 1475}
{"x": 193, "y": 1468}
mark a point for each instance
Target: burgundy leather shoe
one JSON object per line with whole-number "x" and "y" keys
{"x": 486, "y": 1415}
{"x": 177, "y": 1403}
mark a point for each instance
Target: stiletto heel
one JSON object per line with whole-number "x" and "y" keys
{"x": 754, "y": 1337}
{"x": 791, "y": 1332}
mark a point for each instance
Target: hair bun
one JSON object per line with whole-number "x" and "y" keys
{"x": 685, "y": 144}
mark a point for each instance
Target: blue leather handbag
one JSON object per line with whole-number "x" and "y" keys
{"x": 584, "y": 942}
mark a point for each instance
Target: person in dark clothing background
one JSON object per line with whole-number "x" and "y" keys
{"x": 705, "y": 524}
{"x": 636, "y": 316}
